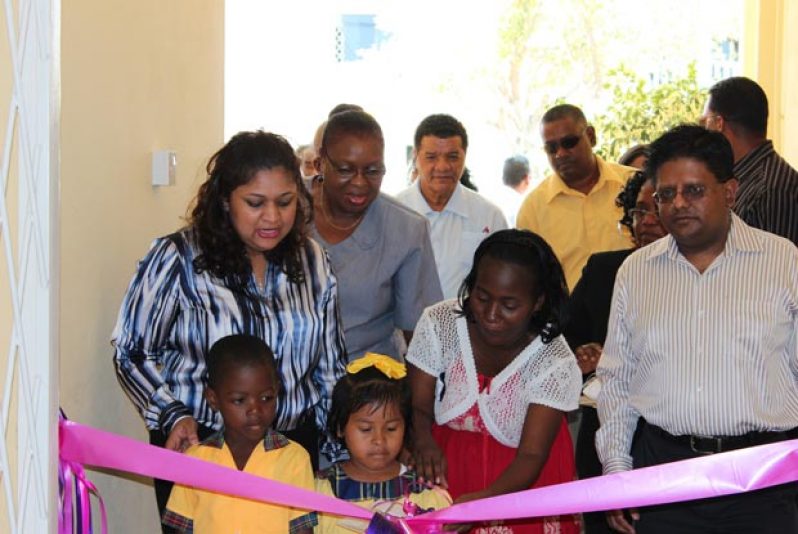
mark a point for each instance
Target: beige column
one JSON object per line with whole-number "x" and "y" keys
{"x": 769, "y": 35}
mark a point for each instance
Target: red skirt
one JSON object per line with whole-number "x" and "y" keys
{"x": 476, "y": 459}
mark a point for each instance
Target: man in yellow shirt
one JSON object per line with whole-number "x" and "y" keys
{"x": 574, "y": 208}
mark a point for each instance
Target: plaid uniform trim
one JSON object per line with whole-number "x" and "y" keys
{"x": 307, "y": 521}
{"x": 272, "y": 440}
{"x": 352, "y": 490}
{"x": 177, "y": 521}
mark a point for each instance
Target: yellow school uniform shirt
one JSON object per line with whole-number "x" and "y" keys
{"x": 574, "y": 224}
{"x": 279, "y": 459}
{"x": 386, "y": 496}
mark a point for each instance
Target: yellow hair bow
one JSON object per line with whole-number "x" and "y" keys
{"x": 385, "y": 364}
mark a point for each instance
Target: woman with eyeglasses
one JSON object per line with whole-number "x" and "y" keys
{"x": 588, "y": 311}
{"x": 379, "y": 249}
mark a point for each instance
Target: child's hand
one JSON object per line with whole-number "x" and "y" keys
{"x": 182, "y": 435}
{"x": 429, "y": 463}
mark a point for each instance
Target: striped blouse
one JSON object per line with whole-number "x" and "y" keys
{"x": 768, "y": 194}
{"x": 710, "y": 354}
{"x": 171, "y": 316}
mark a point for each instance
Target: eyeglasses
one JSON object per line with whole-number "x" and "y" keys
{"x": 639, "y": 213}
{"x": 690, "y": 193}
{"x": 347, "y": 172}
{"x": 566, "y": 142}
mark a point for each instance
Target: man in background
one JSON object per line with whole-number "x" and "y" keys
{"x": 767, "y": 197}
{"x": 515, "y": 177}
{"x": 574, "y": 208}
{"x": 459, "y": 218}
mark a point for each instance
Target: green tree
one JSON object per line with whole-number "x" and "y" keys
{"x": 640, "y": 112}
{"x": 546, "y": 50}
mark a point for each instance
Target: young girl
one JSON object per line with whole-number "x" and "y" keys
{"x": 492, "y": 379}
{"x": 370, "y": 415}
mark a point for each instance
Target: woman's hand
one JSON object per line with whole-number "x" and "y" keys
{"x": 182, "y": 435}
{"x": 429, "y": 462}
{"x": 619, "y": 521}
{"x": 465, "y": 527}
{"x": 473, "y": 496}
{"x": 587, "y": 357}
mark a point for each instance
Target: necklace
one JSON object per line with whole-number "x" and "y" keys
{"x": 328, "y": 218}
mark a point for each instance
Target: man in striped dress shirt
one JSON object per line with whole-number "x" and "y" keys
{"x": 700, "y": 355}
{"x": 767, "y": 197}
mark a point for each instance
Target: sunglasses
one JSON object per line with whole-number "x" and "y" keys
{"x": 690, "y": 192}
{"x": 567, "y": 143}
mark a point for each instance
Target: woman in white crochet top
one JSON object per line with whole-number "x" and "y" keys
{"x": 492, "y": 379}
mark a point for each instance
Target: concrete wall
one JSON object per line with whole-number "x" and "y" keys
{"x": 136, "y": 76}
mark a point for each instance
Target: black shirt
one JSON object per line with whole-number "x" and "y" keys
{"x": 767, "y": 197}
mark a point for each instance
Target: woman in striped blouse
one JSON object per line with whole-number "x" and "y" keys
{"x": 243, "y": 264}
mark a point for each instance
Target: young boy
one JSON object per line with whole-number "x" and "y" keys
{"x": 243, "y": 387}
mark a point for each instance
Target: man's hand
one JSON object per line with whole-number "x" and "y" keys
{"x": 618, "y": 521}
{"x": 182, "y": 435}
{"x": 587, "y": 357}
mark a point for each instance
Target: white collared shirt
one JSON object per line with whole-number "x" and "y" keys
{"x": 710, "y": 354}
{"x": 456, "y": 231}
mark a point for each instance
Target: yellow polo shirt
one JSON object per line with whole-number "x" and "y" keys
{"x": 574, "y": 224}
{"x": 206, "y": 512}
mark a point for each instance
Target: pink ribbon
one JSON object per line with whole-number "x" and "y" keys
{"x": 70, "y": 473}
{"x": 709, "y": 476}
{"x": 89, "y": 446}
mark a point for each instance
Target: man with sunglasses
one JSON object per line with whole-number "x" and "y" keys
{"x": 574, "y": 208}
{"x": 768, "y": 194}
{"x": 700, "y": 354}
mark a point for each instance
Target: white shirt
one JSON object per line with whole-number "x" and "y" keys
{"x": 509, "y": 200}
{"x": 456, "y": 231}
{"x": 712, "y": 354}
{"x": 543, "y": 373}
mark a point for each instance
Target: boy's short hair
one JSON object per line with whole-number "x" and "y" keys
{"x": 235, "y": 351}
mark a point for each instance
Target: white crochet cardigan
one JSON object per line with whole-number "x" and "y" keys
{"x": 544, "y": 374}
